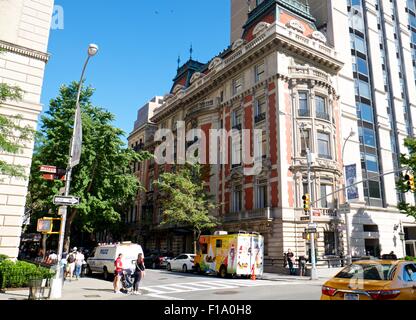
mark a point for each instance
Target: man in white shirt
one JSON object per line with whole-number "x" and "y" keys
{"x": 79, "y": 261}
{"x": 53, "y": 258}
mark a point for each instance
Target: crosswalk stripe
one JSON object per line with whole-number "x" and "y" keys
{"x": 164, "y": 297}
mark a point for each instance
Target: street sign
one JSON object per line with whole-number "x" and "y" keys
{"x": 48, "y": 169}
{"x": 316, "y": 213}
{"x": 310, "y": 230}
{"x": 305, "y": 218}
{"x": 48, "y": 176}
{"x": 65, "y": 201}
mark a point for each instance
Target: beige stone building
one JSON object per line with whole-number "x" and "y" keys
{"x": 24, "y": 34}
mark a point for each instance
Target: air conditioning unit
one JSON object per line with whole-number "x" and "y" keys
{"x": 220, "y": 233}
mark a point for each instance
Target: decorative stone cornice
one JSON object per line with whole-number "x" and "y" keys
{"x": 23, "y": 51}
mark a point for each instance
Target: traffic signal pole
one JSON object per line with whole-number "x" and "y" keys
{"x": 313, "y": 257}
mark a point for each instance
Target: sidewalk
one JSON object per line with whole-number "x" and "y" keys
{"x": 285, "y": 277}
{"x": 82, "y": 289}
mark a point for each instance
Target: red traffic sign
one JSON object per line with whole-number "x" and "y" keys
{"x": 48, "y": 176}
{"x": 48, "y": 169}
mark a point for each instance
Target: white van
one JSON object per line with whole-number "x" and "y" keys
{"x": 102, "y": 258}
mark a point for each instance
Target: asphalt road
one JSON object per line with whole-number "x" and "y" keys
{"x": 161, "y": 284}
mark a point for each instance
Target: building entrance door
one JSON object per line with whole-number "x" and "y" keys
{"x": 372, "y": 247}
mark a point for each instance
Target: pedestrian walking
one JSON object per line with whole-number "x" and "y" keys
{"x": 138, "y": 273}
{"x": 79, "y": 261}
{"x": 291, "y": 261}
{"x": 302, "y": 265}
{"x": 71, "y": 263}
{"x": 118, "y": 272}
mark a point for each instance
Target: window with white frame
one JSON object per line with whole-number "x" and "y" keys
{"x": 261, "y": 195}
{"x": 260, "y": 106}
{"x": 237, "y": 85}
{"x": 237, "y": 198}
{"x": 305, "y": 142}
{"x": 327, "y": 200}
{"x": 324, "y": 146}
{"x": 236, "y": 118}
{"x": 259, "y": 73}
{"x": 235, "y": 151}
{"x": 303, "y": 104}
{"x": 261, "y": 143}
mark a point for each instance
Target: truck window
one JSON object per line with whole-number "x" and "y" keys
{"x": 219, "y": 244}
{"x": 204, "y": 248}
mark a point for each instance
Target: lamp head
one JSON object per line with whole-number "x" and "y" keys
{"x": 92, "y": 50}
{"x": 352, "y": 133}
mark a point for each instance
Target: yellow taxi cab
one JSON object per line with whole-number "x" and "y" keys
{"x": 373, "y": 280}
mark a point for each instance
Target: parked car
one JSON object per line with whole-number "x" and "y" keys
{"x": 373, "y": 280}
{"x": 102, "y": 258}
{"x": 156, "y": 259}
{"x": 184, "y": 262}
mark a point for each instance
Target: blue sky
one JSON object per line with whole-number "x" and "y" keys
{"x": 139, "y": 45}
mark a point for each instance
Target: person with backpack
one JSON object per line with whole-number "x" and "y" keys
{"x": 71, "y": 263}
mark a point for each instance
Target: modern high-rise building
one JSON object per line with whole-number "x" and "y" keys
{"x": 24, "y": 34}
{"x": 331, "y": 77}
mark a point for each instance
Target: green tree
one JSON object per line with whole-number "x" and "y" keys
{"x": 103, "y": 179}
{"x": 408, "y": 160}
{"x": 13, "y": 135}
{"x": 185, "y": 201}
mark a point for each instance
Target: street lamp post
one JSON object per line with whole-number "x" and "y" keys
{"x": 347, "y": 228}
{"x": 56, "y": 290}
{"x": 309, "y": 159}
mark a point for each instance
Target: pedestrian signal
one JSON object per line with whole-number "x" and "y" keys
{"x": 306, "y": 202}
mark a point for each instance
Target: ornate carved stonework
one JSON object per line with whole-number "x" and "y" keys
{"x": 196, "y": 76}
{"x": 260, "y": 27}
{"x": 296, "y": 25}
{"x": 177, "y": 88}
{"x": 11, "y": 47}
{"x": 319, "y": 36}
{"x": 214, "y": 63}
{"x": 237, "y": 44}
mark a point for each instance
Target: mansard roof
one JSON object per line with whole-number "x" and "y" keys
{"x": 297, "y": 7}
{"x": 185, "y": 72}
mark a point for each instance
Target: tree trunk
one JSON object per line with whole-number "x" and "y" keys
{"x": 194, "y": 241}
{"x": 68, "y": 225}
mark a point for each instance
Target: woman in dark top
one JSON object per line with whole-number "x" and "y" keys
{"x": 138, "y": 273}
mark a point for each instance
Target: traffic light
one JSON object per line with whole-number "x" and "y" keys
{"x": 410, "y": 182}
{"x": 306, "y": 202}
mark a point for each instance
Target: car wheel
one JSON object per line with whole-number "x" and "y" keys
{"x": 105, "y": 275}
{"x": 223, "y": 272}
{"x": 168, "y": 267}
{"x": 185, "y": 268}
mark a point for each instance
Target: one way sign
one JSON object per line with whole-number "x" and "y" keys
{"x": 65, "y": 201}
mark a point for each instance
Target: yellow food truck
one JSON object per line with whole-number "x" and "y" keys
{"x": 230, "y": 254}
